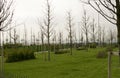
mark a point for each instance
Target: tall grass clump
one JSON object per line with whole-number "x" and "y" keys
{"x": 19, "y": 54}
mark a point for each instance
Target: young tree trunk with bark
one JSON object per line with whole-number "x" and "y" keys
{"x": 47, "y": 25}
{"x": 70, "y": 26}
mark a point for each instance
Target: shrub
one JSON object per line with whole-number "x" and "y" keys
{"x": 62, "y": 51}
{"x": 109, "y": 48}
{"x": 102, "y": 54}
{"x": 93, "y": 45}
{"x": 19, "y": 55}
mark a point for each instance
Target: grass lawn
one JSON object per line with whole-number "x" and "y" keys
{"x": 81, "y": 64}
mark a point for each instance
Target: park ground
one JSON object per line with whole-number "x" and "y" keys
{"x": 82, "y": 64}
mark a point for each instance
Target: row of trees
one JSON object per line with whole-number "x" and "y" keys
{"x": 89, "y": 31}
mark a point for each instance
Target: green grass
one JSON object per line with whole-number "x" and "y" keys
{"x": 81, "y": 64}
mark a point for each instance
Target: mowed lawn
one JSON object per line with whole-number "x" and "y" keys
{"x": 81, "y": 64}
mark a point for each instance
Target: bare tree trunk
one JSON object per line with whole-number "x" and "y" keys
{"x": 14, "y": 37}
{"x": 42, "y": 39}
{"x": 118, "y": 29}
{"x": 48, "y": 45}
{"x": 118, "y": 24}
{"x": 93, "y": 31}
{"x": 111, "y": 36}
{"x": 54, "y": 41}
{"x": 34, "y": 37}
{"x": 25, "y": 35}
{"x": 85, "y": 26}
{"x": 99, "y": 31}
{"x": 48, "y": 27}
{"x": 119, "y": 40}
{"x": 75, "y": 40}
{"x": 82, "y": 39}
{"x": 60, "y": 39}
{"x": 71, "y": 42}
{"x": 2, "y": 56}
{"x": 70, "y": 29}
{"x": 87, "y": 39}
{"x": 31, "y": 37}
{"x": 10, "y": 35}
{"x": 103, "y": 36}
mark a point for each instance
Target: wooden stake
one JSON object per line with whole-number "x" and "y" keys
{"x": 109, "y": 64}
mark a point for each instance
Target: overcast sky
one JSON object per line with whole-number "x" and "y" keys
{"x": 29, "y": 11}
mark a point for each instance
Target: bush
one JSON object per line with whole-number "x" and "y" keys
{"x": 102, "y": 54}
{"x": 62, "y": 51}
{"x": 93, "y": 45}
{"x": 19, "y": 55}
{"x": 109, "y": 48}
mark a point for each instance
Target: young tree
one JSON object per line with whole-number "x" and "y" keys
{"x": 38, "y": 38}
{"x": 10, "y": 33}
{"x": 42, "y": 40}
{"x": 67, "y": 42}
{"x": 54, "y": 40}
{"x": 93, "y": 31}
{"x": 70, "y": 27}
{"x": 85, "y": 25}
{"x": 42, "y": 37}
{"x": 34, "y": 41}
{"x": 80, "y": 33}
{"x": 15, "y": 36}
{"x": 60, "y": 39}
{"x": 81, "y": 38}
{"x": 31, "y": 36}
{"x": 19, "y": 40}
{"x": 47, "y": 25}
{"x": 103, "y": 36}
{"x": 99, "y": 34}
{"x": 6, "y": 15}
{"x": 111, "y": 35}
{"x": 25, "y": 35}
{"x": 75, "y": 39}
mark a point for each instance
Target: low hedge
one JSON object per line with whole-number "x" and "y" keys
{"x": 8, "y": 45}
{"x": 102, "y": 54}
{"x": 62, "y": 51}
{"x": 19, "y": 55}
